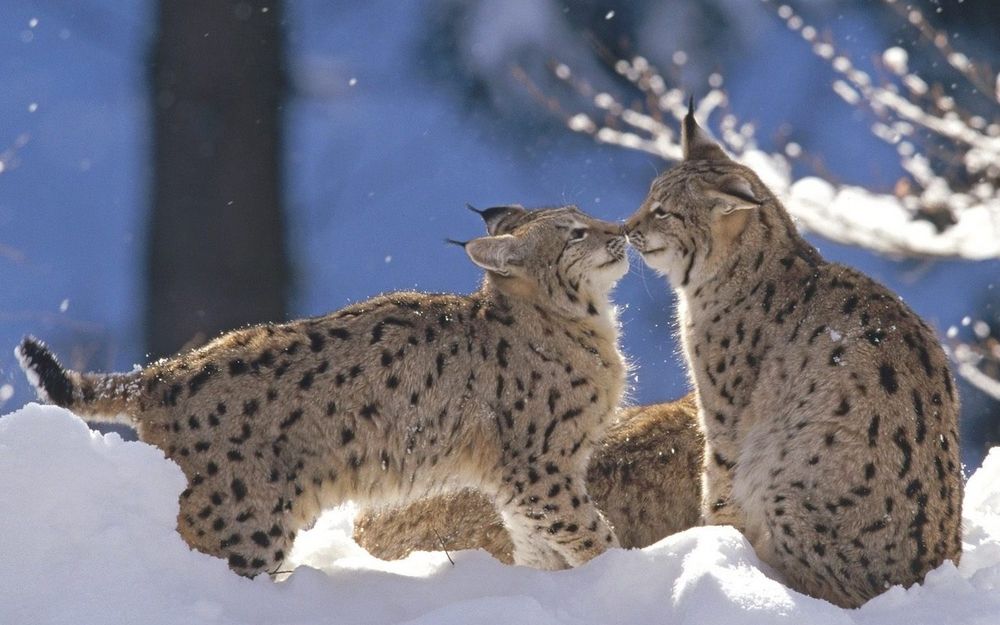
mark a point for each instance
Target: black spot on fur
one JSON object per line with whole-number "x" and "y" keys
{"x": 887, "y": 378}
{"x": 266, "y": 359}
{"x": 239, "y": 489}
{"x": 379, "y": 329}
{"x": 554, "y": 396}
{"x": 170, "y": 396}
{"x": 815, "y": 333}
{"x": 502, "y": 347}
{"x": 722, "y": 462}
{"x": 836, "y": 356}
{"x": 875, "y": 336}
{"x": 768, "y": 296}
{"x": 869, "y": 470}
{"x": 307, "y": 380}
{"x": 199, "y": 379}
{"x": 850, "y": 304}
{"x": 918, "y": 409}
{"x": 316, "y": 341}
{"x": 899, "y": 438}
{"x": 873, "y": 430}
{"x": 243, "y": 437}
{"x": 572, "y": 413}
{"x": 339, "y": 333}
{"x": 290, "y": 420}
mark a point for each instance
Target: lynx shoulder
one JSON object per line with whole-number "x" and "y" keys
{"x": 829, "y": 410}
{"x": 396, "y": 398}
{"x": 645, "y": 476}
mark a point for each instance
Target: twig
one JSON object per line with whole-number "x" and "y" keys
{"x": 444, "y": 547}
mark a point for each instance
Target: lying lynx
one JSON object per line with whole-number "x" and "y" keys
{"x": 645, "y": 476}
{"x": 396, "y": 398}
{"x": 829, "y": 412}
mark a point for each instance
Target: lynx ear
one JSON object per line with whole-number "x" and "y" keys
{"x": 496, "y": 215}
{"x": 698, "y": 146}
{"x": 737, "y": 194}
{"x": 496, "y": 254}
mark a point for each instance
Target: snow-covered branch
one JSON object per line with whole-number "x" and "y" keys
{"x": 948, "y": 207}
{"x": 977, "y": 360}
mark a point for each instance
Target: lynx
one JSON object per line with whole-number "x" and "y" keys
{"x": 645, "y": 476}
{"x": 828, "y": 408}
{"x": 392, "y": 399}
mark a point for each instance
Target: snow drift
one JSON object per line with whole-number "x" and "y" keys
{"x": 87, "y": 534}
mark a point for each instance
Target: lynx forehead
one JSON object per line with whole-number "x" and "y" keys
{"x": 829, "y": 411}
{"x": 405, "y": 395}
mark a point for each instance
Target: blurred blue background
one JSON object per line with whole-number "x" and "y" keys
{"x": 398, "y": 113}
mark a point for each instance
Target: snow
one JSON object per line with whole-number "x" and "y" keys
{"x": 88, "y": 537}
{"x": 895, "y": 60}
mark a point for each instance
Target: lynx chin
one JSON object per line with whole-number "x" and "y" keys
{"x": 829, "y": 412}
{"x": 396, "y": 398}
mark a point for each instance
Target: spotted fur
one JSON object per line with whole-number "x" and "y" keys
{"x": 829, "y": 410}
{"x": 645, "y": 476}
{"x": 399, "y": 397}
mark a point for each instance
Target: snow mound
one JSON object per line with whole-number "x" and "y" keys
{"x": 88, "y": 537}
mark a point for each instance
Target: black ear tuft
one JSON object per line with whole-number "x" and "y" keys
{"x": 460, "y": 244}
{"x": 697, "y": 144}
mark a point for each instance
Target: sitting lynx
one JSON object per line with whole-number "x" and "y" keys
{"x": 396, "y": 398}
{"x": 829, "y": 412}
{"x": 645, "y": 476}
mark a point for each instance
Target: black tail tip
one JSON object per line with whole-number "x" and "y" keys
{"x": 44, "y": 372}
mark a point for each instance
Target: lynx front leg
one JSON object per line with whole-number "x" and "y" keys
{"x": 549, "y": 513}
{"x": 528, "y": 549}
{"x": 717, "y": 503}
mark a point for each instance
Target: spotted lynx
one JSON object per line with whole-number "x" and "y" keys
{"x": 399, "y": 397}
{"x": 645, "y": 476}
{"x": 829, "y": 411}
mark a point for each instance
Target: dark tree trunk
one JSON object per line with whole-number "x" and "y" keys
{"x": 217, "y": 257}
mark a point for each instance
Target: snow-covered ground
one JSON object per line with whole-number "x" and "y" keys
{"x": 87, "y": 536}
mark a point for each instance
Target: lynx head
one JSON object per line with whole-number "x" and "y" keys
{"x": 701, "y": 213}
{"x": 559, "y": 258}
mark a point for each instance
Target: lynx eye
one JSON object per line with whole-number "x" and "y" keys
{"x": 658, "y": 212}
{"x": 578, "y": 234}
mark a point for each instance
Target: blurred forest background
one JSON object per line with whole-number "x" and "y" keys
{"x": 169, "y": 170}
